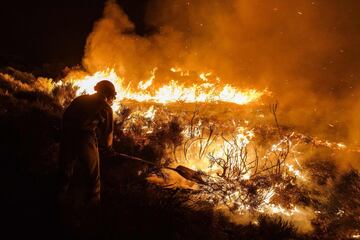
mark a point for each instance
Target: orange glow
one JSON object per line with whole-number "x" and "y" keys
{"x": 171, "y": 92}
{"x": 230, "y": 147}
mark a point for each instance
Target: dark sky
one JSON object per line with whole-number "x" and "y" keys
{"x": 37, "y": 32}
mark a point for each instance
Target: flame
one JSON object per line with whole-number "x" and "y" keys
{"x": 217, "y": 147}
{"x": 231, "y": 147}
{"x": 180, "y": 71}
{"x": 174, "y": 91}
{"x": 231, "y": 94}
{"x": 277, "y": 209}
{"x": 150, "y": 113}
{"x": 85, "y": 84}
{"x": 144, "y": 85}
{"x": 295, "y": 172}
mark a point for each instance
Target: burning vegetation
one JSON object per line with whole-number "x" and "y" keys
{"x": 245, "y": 165}
{"x": 240, "y": 170}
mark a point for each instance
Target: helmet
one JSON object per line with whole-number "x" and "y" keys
{"x": 106, "y": 88}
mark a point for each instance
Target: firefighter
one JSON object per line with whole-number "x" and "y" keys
{"x": 87, "y": 126}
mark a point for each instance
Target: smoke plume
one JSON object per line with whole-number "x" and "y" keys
{"x": 305, "y": 52}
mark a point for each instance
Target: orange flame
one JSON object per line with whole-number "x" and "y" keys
{"x": 168, "y": 93}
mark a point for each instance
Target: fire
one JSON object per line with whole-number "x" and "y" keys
{"x": 174, "y": 91}
{"x": 296, "y": 172}
{"x": 85, "y": 83}
{"x": 230, "y": 94}
{"x": 238, "y": 172}
{"x": 247, "y": 166}
{"x": 150, "y": 114}
{"x": 278, "y": 209}
{"x": 146, "y": 84}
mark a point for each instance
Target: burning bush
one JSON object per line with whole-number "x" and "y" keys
{"x": 264, "y": 176}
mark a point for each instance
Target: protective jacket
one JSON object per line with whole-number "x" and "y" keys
{"x": 87, "y": 124}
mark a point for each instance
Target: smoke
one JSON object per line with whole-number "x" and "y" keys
{"x": 305, "y": 52}
{"x": 114, "y": 43}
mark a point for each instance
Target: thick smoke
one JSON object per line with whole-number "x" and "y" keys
{"x": 113, "y": 43}
{"x": 305, "y": 52}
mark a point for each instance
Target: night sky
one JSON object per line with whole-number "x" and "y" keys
{"x": 54, "y": 32}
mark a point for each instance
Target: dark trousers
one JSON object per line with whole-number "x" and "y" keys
{"x": 80, "y": 169}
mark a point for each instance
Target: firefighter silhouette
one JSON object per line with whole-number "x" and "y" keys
{"x": 87, "y": 126}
